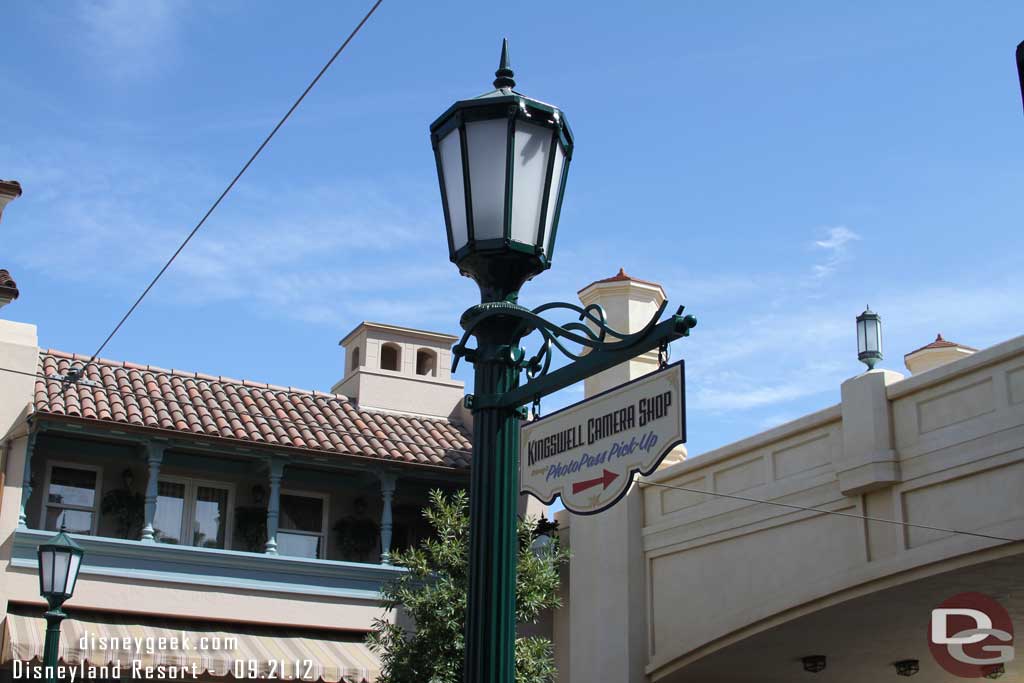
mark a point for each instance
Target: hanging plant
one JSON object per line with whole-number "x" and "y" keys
{"x": 127, "y": 507}
{"x": 251, "y": 527}
{"x": 356, "y": 537}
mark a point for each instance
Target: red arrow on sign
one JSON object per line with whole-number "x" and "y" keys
{"x": 605, "y": 479}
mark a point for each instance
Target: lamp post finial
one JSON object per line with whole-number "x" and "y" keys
{"x": 1020, "y": 68}
{"x": 503, "y": 77}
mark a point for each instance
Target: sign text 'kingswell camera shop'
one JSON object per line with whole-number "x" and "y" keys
{"x": 587, "y": 453}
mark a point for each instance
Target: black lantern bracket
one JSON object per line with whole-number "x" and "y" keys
{"x": 601, "y": 346}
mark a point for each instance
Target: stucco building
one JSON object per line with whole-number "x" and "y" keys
{"x": 690, "y": 579}
{"x": 202, "y": 499}
{"x": 210, "y": 505}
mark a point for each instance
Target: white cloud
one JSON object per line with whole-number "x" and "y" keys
{"x": 751, "y": 387}
{"x": 326, "y": 254}
{"x": 778, "y": 335}
{"x": 837, "y": 238}
{"x": 726, "y": 400}
{"x": 835, "y": 246}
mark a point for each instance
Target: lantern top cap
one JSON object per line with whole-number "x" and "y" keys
{"x": 868, "y": 313}
{"x": 499, "y": 100}
{"x": 504, "y": 77}
{"x": 62, "y": 540}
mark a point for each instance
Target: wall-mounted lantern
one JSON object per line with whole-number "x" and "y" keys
{"x": 815, "y": 663}
{"x": 907, "y": 667}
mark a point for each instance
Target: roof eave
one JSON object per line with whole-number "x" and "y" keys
{"x": 245, "y": 443}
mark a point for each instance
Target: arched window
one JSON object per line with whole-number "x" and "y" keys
{"x": 354, "y": 364}
{"x": 390, "y": 357}
{"x": 426, "y": 363}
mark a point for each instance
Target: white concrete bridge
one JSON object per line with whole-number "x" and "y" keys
{"x": 710, "y": 589}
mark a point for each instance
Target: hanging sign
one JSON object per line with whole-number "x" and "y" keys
{"x": 588, "y": 453}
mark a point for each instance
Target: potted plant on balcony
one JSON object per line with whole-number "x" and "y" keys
{"x": 251, "y": 527}
{"x": 126, "y": 507}
{"x": 356, "y": 535}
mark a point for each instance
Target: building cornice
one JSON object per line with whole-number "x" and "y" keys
{"x": 97, "y": 428}
{"x": 407, "y": 331}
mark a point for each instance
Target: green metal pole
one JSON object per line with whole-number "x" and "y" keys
{"x": 51, "y": 647}
{"x": 493, "y": 496}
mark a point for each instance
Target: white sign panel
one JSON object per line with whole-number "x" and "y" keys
{"x": 587, "y": 453}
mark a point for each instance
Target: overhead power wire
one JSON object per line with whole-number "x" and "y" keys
{"x": 227, "y": 189}
{"x": 715, "y": 494}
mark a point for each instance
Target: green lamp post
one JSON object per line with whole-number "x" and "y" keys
{"x": 59, "y": 561}
{"x": 502, "y": 161}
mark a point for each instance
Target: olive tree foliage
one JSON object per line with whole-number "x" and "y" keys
{"x": 432, "y": 593}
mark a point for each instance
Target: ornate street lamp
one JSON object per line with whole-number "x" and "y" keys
{"x": 502, "y": 160}
{"x": 543, "y": 537}
{"x": 59, "y": 561}
{"x": 869, "y": 338}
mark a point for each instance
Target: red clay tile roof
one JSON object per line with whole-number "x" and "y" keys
{"x": 204, "y": 405}
{"x": 941, "y": 343}
{"x": 621, "y": 276}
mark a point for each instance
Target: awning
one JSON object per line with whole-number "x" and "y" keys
{"x": 202, "y": 649}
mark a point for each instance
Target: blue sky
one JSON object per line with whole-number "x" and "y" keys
{"x": 775, "y": 165}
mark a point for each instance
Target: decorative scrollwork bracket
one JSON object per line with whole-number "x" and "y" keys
{"x": 600, "y": 346}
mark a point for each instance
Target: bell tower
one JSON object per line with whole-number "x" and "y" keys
{"x": 400, "y": 369}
